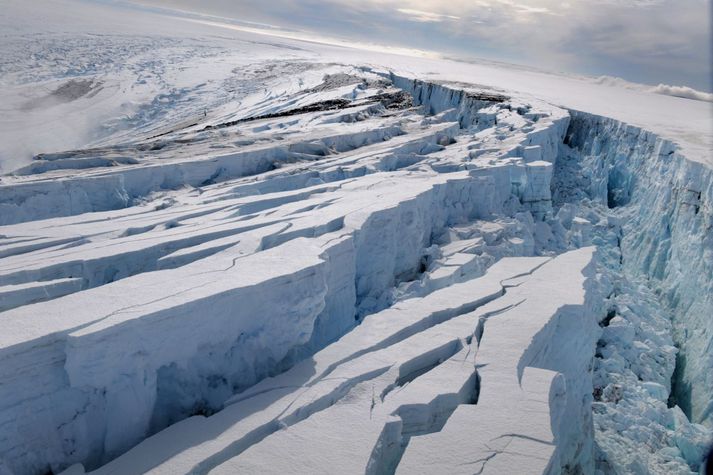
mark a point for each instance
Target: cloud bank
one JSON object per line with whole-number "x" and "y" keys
{"x": 664, "y": 89}
{"x": 682, "y": 91}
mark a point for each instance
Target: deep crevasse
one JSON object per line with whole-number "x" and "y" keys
{"x": 657, "y": 251}
{"x": 625, "y": 189}
{"x": 667, "y": 236}
{"x": 651, "y": 213}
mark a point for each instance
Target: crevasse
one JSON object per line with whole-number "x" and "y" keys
{"x": 666, "y": 215}
{"x": 105, "y": 384}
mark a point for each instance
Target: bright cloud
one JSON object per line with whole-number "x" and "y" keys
{"x": 421, "y": 16}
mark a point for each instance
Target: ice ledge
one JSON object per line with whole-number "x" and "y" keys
{"x": 533, "y": 363}
{"x": 484, "y": 357}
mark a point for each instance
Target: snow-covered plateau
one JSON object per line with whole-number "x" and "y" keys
{"x": 267, "y": 255}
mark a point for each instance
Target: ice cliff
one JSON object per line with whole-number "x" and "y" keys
{"x": 369, "y": 271}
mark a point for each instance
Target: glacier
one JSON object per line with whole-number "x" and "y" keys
{"x": 359, "y": 264}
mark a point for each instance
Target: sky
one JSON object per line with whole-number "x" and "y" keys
{"x": 646, "y": 41}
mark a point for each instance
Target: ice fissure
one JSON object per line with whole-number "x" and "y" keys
{"x": 660, "y": 207}
{"x": 433, "y": 277}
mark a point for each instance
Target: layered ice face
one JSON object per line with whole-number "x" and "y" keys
{"x": 366, "y": 270}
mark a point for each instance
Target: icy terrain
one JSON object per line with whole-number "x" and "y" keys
{"x": 264, "y": 255}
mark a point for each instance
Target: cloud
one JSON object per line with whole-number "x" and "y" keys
{"x": 664, "y": 89}
{"x": 517, "y": 7}
{"x": 424, "y": 17}
{"x": 682, "y": 91}
{"x": 648, "y": 41}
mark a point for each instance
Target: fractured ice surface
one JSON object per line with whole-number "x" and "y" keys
{"x": 361, "y": 269}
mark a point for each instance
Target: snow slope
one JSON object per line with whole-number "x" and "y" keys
{"x": 343, "y": 257}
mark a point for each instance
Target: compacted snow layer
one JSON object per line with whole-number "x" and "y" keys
{"x": 364, "y": 270}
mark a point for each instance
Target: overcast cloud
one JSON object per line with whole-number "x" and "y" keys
{"x": 648, "y": 41}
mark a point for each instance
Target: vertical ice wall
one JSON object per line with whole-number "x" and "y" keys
{"x": 666, "y": 204}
